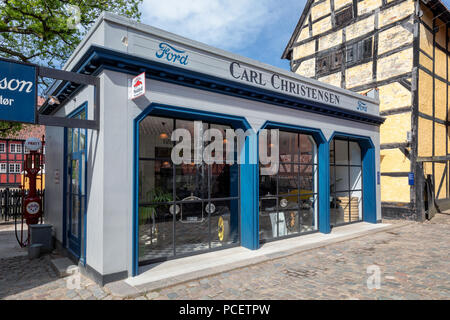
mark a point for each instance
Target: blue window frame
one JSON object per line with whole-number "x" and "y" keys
{"x": 247, "y": 188}
{"x": 309, "y": 212}
{"x": 75, "y": 187}
{"x": 365, "y": 165}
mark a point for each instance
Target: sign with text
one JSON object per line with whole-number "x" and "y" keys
{"x": 17, "y": 92}
{"x": 33, "y": 144}
{"x": 137, "y": 86}
{"x": 276, "y": 82}
{"x": 217, "y": 64}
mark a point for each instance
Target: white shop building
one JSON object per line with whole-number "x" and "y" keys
{"x": 118, "y": 202}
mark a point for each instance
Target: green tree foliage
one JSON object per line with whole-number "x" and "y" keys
{"x": 9, "y": 128}
{"x": 47, "y": 31}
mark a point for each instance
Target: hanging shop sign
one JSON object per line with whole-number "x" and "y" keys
{"x": 137, "y": 88}
{"x": 18, "y": 92}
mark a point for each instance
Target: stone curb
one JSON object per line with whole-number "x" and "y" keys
{"x": 125, "y": 290}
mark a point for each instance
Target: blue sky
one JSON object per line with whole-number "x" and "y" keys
{"x": 258, "y": 29}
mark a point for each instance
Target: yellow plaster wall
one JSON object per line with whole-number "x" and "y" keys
{"x": 395, "y": 189}
{"x": 440, "y": 100}
{"x": 333, "y": 79}
{"x": 425, "y": 61}
{"x": 359, "y": 75}
{"x": 393, "y": 38}
{"x": 439, "y": 170}
{"x": 426, "y": 40}
{"x": 427, "y": 168}
{"x": 393, "y": 96}
{"x": 425, "y": 93}
{"x": 304, "y": 34}
{"x": 331, "y": 40}
{"x": 366, "y": 6}
{"x": 440, "y": 60}
{"x": 394, "y": 129}
{"x": 340, "y": 3}
{"x": 395, "y": 64}
{"x": 448, "y": 136}
{"x": 395, "y": 13}
{"x": 360, "y": 28}
{"x": 393, "y": 160}
{"x": 320, "y": 10}
{"x": 425, "y": 139}
{"x": 439, "y": 140}
{"x": 304, "y": 50}
{"x": 321, "y": 26}
{"x": 307, "y": 68}
{"x": 448, "y": 58}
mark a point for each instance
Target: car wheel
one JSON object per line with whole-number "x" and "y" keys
{"x": 223, "y": 228}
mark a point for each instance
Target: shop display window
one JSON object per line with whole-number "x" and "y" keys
{"x": 184, "y": 208}
{"x": 288, "y": 197}
{"x": 345, "y": 182}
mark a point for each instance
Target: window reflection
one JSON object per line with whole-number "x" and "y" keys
{"x": 287, "y": 197}
{"x": 185, "y": 208}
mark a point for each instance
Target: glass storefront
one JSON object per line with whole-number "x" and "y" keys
{"x": 345, "y": 182}
{"x": 194, "y": 207}
{"x": 288, "y": 196}
{"x": 188, "y": 208}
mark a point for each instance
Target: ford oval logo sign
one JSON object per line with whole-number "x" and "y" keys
{"x": 171, "y": 54}
{"x": 362, "y": 106}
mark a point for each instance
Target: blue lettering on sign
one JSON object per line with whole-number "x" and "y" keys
{"x": 362, "y": 106}
{"x": 166, "y": 51}
{"x": 17, "y": 92}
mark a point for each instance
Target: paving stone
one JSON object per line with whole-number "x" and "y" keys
{"x": 152, "y": 295}
{"x": 172, "y": 295}
{"x": 410, "y": 269}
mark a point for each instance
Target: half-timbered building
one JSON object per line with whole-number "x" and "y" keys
{"x": 396, "y": 50}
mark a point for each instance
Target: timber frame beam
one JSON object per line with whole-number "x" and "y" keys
{"x": 83, "y": 79}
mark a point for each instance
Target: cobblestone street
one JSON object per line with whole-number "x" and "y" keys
{"x": 413, "y": 259}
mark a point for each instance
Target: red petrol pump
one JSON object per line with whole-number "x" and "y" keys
{"x": 32, "y": 203}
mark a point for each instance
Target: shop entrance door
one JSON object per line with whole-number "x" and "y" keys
{"x": 76, "y": 186}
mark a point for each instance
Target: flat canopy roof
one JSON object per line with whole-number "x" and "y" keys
{"x": 135, "y": 44}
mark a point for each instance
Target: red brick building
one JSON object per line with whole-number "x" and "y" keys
{"x": 12, "y": 153}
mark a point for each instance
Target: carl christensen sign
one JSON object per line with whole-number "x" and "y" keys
{"x": 276, "y": 82}
{"x": 17, "y": 92}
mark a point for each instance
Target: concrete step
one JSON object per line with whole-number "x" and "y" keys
{"x": 64, "y": 267}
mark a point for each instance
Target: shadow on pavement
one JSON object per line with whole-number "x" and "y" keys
{"x": 17, "y": 272}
